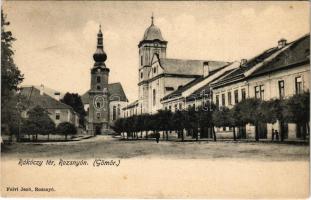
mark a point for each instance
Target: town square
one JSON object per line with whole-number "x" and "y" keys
{"x": 136, "y": 83}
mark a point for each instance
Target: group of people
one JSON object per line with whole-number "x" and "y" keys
{"x": 275, "y": 133}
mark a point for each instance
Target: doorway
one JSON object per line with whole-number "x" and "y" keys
{"x": 97, "y": 130}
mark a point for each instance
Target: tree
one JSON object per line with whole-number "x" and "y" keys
{"x": 191, "y": 122}
{"x": 222, "y": 117}
{"x": 297, "y": 110}
{"x": 254, "y": 111}
{"x": 11, "y": 76}
{"x": 66, "y": 128}
{"x": 164, "y": 117}
{"x": 74, "y": 100}
{"x": 205, "y": 117}
{"x": 118, "y": 126}
{"x": 39, "y": 122}
{"x": 178, "y": 120}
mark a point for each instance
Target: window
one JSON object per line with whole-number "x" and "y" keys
{"x": 98, "y": 87}
{"x": 141, "y": 75}
{"x": 176, "y": 107}
{"x": 114, "y": 113}
{"x": 260, "y": 92}
{"x": 154, "y": 70}
{"x": 57, "y": 116}
{"x": 154, "y": 97}
{"x": 236, "y": 96}
{"x": 98, "y": 104}
{"x": 243, "y": 94}
{"x": 180, "y": 106}
{"x": 170, "y": 107}
{"x": 119, "y": 110}
{"x": 229, "y": 98}
{"x": 223, "y": 100}
{"x": 281, "y": 89}
{"x": 257, "y": 94}
{"x": 98, "y": 79}
{"x": 141, "y": 60}
{"x": 298, "y": 85}
{"x": 98, "y": 115}
{"x": 217, "y": 100}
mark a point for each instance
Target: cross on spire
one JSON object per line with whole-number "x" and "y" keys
{"x": 152, "y": 19}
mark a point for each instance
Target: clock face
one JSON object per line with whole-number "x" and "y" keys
{"x": 99, "y": 102}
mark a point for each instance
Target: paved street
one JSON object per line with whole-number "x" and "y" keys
{"x": 108, "y": 147}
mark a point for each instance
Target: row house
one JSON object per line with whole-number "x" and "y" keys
{"x": 277, "y": 73}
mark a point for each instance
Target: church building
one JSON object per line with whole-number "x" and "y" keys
{"x": 158, "y": 75}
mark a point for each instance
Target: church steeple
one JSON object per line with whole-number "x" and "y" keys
{"x": 99, "y": 55}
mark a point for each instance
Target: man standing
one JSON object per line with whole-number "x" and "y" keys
{"x": 157, "y": 136}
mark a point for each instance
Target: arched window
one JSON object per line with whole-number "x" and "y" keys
{"x": 98, "y": 87}
{"x": 114, "y": 113}
{"x": 98, "y": 79}
{"x": 154, "y": 97}
{"x": 119, "y": 110}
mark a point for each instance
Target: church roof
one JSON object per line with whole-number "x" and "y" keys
{"x": 153, "y": 33}
{"x": 115, "y": 90}
{"x": 180, "y": 90}
{"x": 45, "y": 100}
{"x": 188, "y": 67}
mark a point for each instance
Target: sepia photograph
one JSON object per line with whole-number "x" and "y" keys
{"x": 155, "y": 99}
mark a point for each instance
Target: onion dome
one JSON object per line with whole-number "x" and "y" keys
{"x": 99, "y": 55}
{"x": 153, "y": 32}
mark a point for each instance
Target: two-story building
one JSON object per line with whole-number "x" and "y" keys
{"x": 279, "y": 72}
{"x": 49, "y": 99}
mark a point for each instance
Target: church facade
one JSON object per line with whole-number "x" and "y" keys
{"x": 103, "y": 102}
{"x": 158, "y": 75}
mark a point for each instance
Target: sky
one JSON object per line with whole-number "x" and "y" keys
{"x": 56, "y": 39}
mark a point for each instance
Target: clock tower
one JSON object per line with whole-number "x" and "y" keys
{"x": 98, "y": 116}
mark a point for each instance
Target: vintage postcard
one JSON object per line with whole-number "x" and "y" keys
{"x": 155, "y": 99}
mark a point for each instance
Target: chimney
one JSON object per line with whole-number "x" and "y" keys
{"x": 41, "y": 89}
{"x": 243, "y": 62}
{"x": 205, "y": 69}
{"x": 281, "y": 43}
{"x": 57, "y": 96}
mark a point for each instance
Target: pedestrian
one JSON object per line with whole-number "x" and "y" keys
{"x": 157, "y": 137}
{"x": 273, "y": 134}
{"x": 276, "y": 135}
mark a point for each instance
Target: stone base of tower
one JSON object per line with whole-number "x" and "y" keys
{"x": 98, "y": 128}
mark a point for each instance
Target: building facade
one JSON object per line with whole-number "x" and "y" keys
{"x": 277, "y": 73}
{"x": 50, "y": 101}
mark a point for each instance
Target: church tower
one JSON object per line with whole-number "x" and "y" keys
{"x": 98, "y": 94}
{"x": 152, "y": 43}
